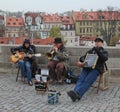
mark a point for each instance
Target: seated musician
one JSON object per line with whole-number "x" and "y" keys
{"x": 58, "y": 62}
{"x": 25, "y": 64}
{"x": 89, "y": 75}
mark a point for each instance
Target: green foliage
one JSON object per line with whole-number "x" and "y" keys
{"x": 55, "y": 32}
{"x": 35, "y": 35}
{"x": 113, "y": 41}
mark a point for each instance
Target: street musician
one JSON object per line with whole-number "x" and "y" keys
{"x": 25, "y": 64}
{"x": 58, "y": 57}
{"x": 89, "y": 74}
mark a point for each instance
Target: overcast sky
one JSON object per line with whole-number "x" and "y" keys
{"x": 56, "y": 5}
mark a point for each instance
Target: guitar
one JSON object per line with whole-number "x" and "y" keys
{"x": 20, "y": 56}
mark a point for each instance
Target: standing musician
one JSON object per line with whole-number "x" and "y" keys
{"x": 25, "y": 64}
{"x": 89, "y": 75}
{"x": 57, "y": 61}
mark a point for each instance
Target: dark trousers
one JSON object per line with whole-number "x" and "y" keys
{"x": 55, "y": 70}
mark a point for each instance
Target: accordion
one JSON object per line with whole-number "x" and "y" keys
{"x": 90, "y": 61}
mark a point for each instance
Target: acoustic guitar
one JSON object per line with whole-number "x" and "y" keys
{"x": 20, "y": 56}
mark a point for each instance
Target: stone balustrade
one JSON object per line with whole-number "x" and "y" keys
{"x": 75, "y": 52}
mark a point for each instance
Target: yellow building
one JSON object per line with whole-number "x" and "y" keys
{"x": 98, "y": 23}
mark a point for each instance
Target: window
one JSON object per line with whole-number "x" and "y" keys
{"x": 76, "y": 39}
{"x": 8, "y": 23}
{"x": 90, "y": 29}
{"x": 68, "y": 27}
{"x": 45, "y": 26}
{"x": 9, "y": 35}
{"x": 83, "y": 30}
{"x": 14, "y": 35}
{"x": 84, "y": 16}
{"x": 83, "y": 23}
{"x": 80, "y": 30}
{"x": 80, "y": 23}
{"x": 87, "y": 30}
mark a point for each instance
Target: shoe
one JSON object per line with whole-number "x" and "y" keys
{"x": 73, "y": 95}
{"x": 23, "y": 79}
{"x": 30, "y": 83}
{"x": 60, "y": 82}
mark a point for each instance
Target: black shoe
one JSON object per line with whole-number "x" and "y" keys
{"x": 73, "y": 95}
{"x": 60, "y": 82}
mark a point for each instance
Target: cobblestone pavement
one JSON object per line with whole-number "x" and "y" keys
{"x": 19, "y": 97}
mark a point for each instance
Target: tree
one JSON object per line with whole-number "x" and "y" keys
{"x": 55, "y": 32}
{"x": 110, "y": 27}
{"x": 113, "y": 41}
{"x": 36, "y": 35}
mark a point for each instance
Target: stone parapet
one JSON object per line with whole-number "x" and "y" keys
{"x": 74, "y": 54}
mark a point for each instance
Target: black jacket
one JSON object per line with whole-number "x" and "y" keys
{"x": 29, "y": 50}
{"x": 102, "y": 57}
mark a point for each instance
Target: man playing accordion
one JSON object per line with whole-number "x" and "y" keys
{"x": 89, "y": 75}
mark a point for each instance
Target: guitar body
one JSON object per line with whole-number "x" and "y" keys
{"x": 18, "y": 56}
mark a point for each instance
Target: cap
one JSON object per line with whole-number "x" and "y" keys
{"x": 98, "y": 40}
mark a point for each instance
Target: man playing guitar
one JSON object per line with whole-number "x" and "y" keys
{"x": 25, "y": 64}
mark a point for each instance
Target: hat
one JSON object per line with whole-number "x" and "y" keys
{"x": 27, "y": 41}
{"x": 57, "y": 40}
{"x": 98, "y": 40}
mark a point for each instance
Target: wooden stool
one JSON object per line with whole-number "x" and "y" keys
{"x": 104, "y": 78}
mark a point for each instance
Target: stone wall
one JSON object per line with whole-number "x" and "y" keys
{"x": 74, "y": 54}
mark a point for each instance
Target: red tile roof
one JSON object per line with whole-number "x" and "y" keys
{"x": 19, "y": 40}
{"x": 6, "y": 40}
{"x": 47, "y": 41}
{"x": 51, "y": 18}
{"x": 87, "y": 38}
{"x": 67, "y": 20}
{"x": 14, "y": 22}
{"x": 96, "y": 15}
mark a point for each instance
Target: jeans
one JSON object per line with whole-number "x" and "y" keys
{"x": 25, "y": 67}
{"x": 86, "y": 79}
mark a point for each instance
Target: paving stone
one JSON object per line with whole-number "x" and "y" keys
{"x": 19, "y": 97}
